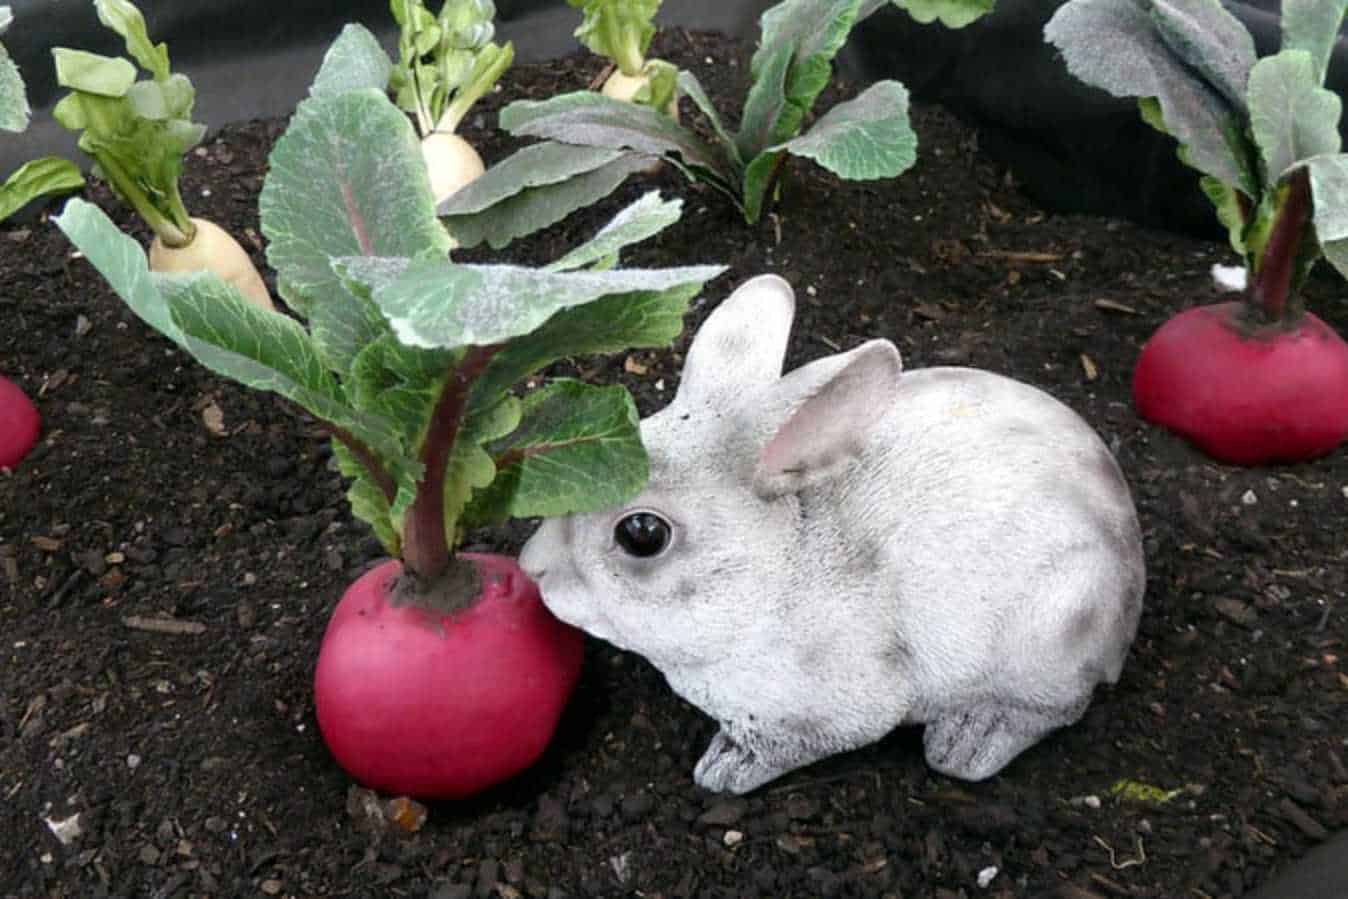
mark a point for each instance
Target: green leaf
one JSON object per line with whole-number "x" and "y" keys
{"x": 764, "y": 106}
{"x": 693, "y": 89}
{"x": 1226, "y": 201}
{"x": 1329, "y": 206}
{"x": 532, "y": 189}
{"x": 1202, "y": 34}
{"x": 471, "y": 468}
{"x": 121, "y": 261}
{"x": 1115, "y": 46}
{"x": 951, "y": 13}
{"x": 863, "y": 138}
{"x": 811, "y": 32}
{"x": 368, "y": 502}
{"x": 346, "y": 179}
{"x": 355, "y": 61}
{"x": 124, "y": 18}
{"x": 1313, "y": 26}
{"x": 645, "y": 218}
{"x": 14, "y": 111}
{"x": 1292, "y": 118}
{"x": 89, "y": 73}
{"x": 609, "y": 325}
{"x": 164, "y": 101}
{"x": 259, "y": 349}
{"x": 620, "y": 30}
{"x": 269, "y": 351}
{"x": 758, "y": 177}
{"x": 589, "y": 119}
{"x": 577, "y": 449}
{"x": 400, "y": 384}
{"x": 442, "y": 304}
{"x": 38, "y": 178}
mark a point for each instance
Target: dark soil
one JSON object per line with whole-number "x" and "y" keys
{"x": 193, "y": 759}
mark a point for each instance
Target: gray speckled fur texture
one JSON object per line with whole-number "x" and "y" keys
{"x": 854, "y": 548}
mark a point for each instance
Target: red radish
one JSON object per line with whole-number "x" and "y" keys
{"x": 18, "y": 424}
{"x": 441, "y": 705}
{"x": 1246, "y": 395}
{"x": 1259, "y": 380}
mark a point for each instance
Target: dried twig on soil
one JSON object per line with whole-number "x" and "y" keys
{"x": 173, "y": 626}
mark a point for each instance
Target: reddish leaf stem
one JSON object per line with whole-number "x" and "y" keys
{"x": 426, "y": 550}
{"x": 1271, "y": 286}
{"x": 365, "y": 457}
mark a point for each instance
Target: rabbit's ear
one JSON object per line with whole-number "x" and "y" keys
{"x": 742, "y": 343}
{"x": 829, "y": 429}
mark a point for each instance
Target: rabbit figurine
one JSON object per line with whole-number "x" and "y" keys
{"x": 822, "y": 556}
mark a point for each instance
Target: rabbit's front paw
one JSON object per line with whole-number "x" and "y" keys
{"x": 731, "y": 767}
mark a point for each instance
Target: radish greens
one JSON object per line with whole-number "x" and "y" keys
{"x": 408, "y": 356}
{"x": 862, "y": 138}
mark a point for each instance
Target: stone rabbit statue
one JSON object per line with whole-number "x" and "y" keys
{"x": 821, "y": 556}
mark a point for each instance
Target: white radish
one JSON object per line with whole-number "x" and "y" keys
{"x": 624, "y": 87}
{"x": 213, "y": 249}
{"x": 451, "y": 161}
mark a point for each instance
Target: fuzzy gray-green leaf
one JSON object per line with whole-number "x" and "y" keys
{"x": 121, "y": 261}
{"x": 355, "y": 61}
{"x": 14, "y": 109}
{"x": 1211, "y": 40}
{"x": 613, "y": 324}
{"x": 577, "y": 449}
{"x": 441, "y": 304}
{"x": 866, "y": 137}
{"x": 593, "y": 120}
{"x": 1114, "y": 45}
{"x": 1329, "y": 205}
{"x": 1291, "y": 116}
{"x": 38, "y": 178}
{"x": 1313, "y": 26}
{"x": 532, "y": 189}
{"x": 646, "y": 217}
{"x": 347, "y": 179}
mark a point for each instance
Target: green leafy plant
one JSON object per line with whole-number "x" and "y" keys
{"x": 412, "y": 360}
{"x": 43, "y": 177}
{"x": 1261, "y": 379}
{"x": 446, "y": 62}
{"x": 863, "y": 138}
{"x": 621, "y": 31}
{"x": 137, "y": 131}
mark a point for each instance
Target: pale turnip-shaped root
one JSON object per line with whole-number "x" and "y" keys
{"x": 620, "y": 86}
{"x": 451, "y": 161}
{"x": 213, "y": 249}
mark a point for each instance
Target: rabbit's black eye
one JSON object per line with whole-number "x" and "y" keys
{"x": 642, "y": 534}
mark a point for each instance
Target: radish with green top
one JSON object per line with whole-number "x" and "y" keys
{"x": 445, "y": 64}
{"x": 1258, "y": 379}
{"x": 594, "y": 141}
{"x": 440, "y": 674}
{"x": 136, "y": 132}
{"x": 621, "y": 30}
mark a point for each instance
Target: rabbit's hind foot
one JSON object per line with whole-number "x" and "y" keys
{"x": 976, "y": 741}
